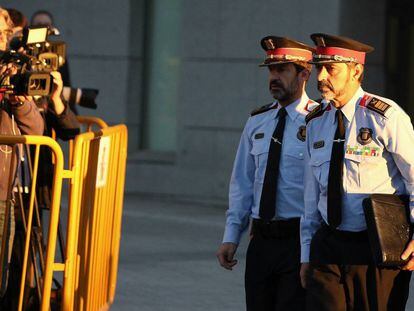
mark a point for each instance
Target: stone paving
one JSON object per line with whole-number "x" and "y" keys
{"x": 168, "y": 262}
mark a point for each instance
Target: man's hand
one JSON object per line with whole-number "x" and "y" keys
{"x": 8, "y": 69}
{"x": 225, "y": 255}
{"x": 57, "y": 85}
{"x": 304, "y": 268}
{"x": 57, "y": 88}
{"x": 408, "y": 254}
{"x": 16, "y": 99}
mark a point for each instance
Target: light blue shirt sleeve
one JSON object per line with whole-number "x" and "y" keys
{"x": 399, "y": 140}
{"x": 241, "y": 192}
{"x": 311, "y": 219}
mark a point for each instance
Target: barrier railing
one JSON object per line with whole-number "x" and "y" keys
{"x": 91, "y": 122}
{"x": 94, "y": 224}
{"x": 88, "y": 124}
{"x": 97, "y": 178}
{"x": 59, "y": 173}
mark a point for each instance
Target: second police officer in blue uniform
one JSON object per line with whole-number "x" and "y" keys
{"x": 267, "y": 183}
{"x": 357, "y": 144}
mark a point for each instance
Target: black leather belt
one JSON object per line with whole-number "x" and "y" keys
{"x": 276, "y": 229}
{"x": 346, "y": 235}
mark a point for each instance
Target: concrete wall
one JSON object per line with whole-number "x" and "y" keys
{"x": 366, "y": 22}
{"x": 219, "y": 83}
{"x": 100, "y": 52}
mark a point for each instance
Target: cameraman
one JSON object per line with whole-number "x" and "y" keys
{"x": 45, "y": 18}
{"x": 18, "y": 115}
{"x": 58, "y": 117}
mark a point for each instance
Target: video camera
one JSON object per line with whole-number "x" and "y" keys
{"x": 34, "y": 58}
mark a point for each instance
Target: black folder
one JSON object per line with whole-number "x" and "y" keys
{"x": 389, "y": 228}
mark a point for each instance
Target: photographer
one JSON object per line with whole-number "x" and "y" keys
{"x": 45, "y": 18}
{"x": 59, "y": 117}
{"x": 57, "y": 112}
{"x": 55, "y": 115}
{"x": 18, "y": 115}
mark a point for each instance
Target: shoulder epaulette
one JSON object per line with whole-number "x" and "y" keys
{"x": 378, "y": 106}
{"x": 262, "y": 109}
{"x": 317, "y": 112}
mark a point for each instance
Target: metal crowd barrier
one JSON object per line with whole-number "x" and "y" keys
{"x": 50, "y": 266}
{"x": 92, "y": 123}
{"x": 97, "y": 177}
{"x": 88, "y": 124}
{"x": 94, "y": 224}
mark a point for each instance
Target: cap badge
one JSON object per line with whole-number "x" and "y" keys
{"x": 364, "y": 136}
{"x": 269, "y": 44}
{"x": 320, "y": 41}
{"x": 301, "y": 135}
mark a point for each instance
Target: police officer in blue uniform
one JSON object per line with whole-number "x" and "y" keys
{"x": 267, "y": 183}
{"x": 357, "y": 144}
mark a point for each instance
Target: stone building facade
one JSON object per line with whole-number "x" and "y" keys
{"x": 183, "y": 74}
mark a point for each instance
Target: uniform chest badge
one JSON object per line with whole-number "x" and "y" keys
{"x": 364, "y": 136}
{"x": 301, "y": 135}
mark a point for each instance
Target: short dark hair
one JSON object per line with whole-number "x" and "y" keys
{"x": 42, "y": 12}
{"x": 17, "y": 17}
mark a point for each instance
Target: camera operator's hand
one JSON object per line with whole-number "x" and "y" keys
{"x": 11, "y": 70}
{"x": 3, "y": 68}
{"x": 57, "y": 88}
{"x": 19, "y": 99}
{"x": 8, "y": 69}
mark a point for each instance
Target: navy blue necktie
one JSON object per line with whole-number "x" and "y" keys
{"x": 268, "y": 198}
{"x": 335, "y": 189}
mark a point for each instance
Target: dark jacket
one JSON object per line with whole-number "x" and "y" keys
{"x": 66, "y": 127}
{"x": 15, "y": 120}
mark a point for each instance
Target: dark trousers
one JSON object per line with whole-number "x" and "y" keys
{"x": 272, "y": 279}
{"x": 342, "y": 275}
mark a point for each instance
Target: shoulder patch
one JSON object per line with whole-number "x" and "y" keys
{"x": 378, "y": 106}
{"x": 262, "y": 109}
{"x": 316, "y": 112}
{"x": 310, "y": 105}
